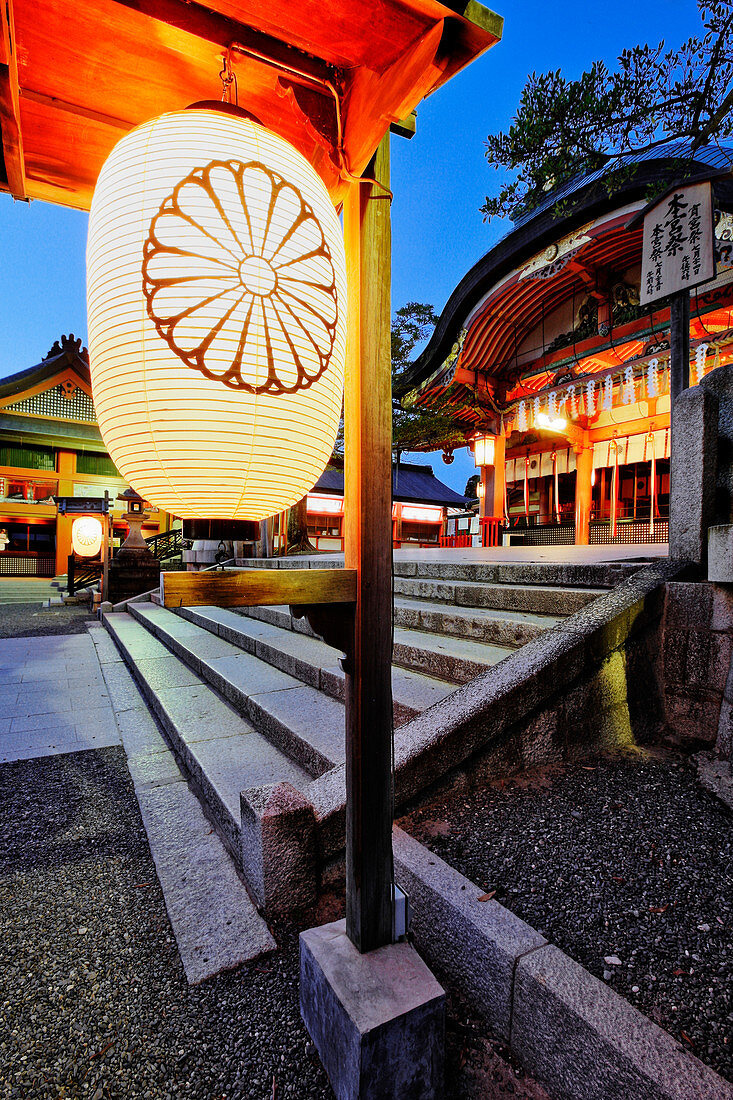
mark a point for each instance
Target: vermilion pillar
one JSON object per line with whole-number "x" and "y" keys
{"x": 583, "y": 494}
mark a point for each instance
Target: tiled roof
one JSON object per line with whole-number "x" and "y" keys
{"x": 410, "y": 482}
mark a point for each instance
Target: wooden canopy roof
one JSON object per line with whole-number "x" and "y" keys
{"x": 328, "y": 75}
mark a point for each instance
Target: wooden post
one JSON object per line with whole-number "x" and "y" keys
{"x": 106, "y": 548}
{"x": 583, "y": 494}
{"x": 368, "y": 550}
{"x": 679, "y": 344}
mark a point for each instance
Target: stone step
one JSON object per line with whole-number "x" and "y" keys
{"x": 219, "y": 749}
{"x": 495, "y": 629}
{"x": 304, "y": 657}
{"x": 311, "y": 660}
{"x": 456, "y": 659}
{"x": 298, "y": 720}
{"x": 541, "y": 599}
{"x": 447, "y": 567}
{"x": 504, "y": 628}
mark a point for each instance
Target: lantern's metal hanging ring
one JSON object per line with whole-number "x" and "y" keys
{"x": 321, "y": 82}
{"x": 228, "y": 80}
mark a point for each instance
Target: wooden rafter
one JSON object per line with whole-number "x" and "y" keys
{"x": 12, "y": 138}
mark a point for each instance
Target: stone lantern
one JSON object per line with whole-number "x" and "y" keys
{"x": 133, "y": 569}
{"x": 135, "y": 516}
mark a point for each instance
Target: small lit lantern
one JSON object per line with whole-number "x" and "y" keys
{"x": 216, "y": 296}
{"x": 87, "y": 533}
{"x": 483, "y": 450}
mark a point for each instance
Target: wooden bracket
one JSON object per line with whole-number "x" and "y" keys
{"x": 335, "y": 624}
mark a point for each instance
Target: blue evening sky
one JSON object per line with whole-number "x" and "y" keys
{"x": 440, "y": 178}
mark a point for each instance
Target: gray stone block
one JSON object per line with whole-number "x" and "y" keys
{"x": 719, "y": 384}
{"x": 582, "y": 1041}
{"x": 476, "y": 714}
{"x": 474, "y": 944}
{"x": 377, "y": 1020}
{"x": 240, "y": 675}
{"x": 694, "y": 453}
{"x": 278, "y": 847}
{"x": 720, "y": 554}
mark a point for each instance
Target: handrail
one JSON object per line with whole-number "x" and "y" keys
{"x": 167, "y": 544}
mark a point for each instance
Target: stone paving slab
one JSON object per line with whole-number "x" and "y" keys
{"x": 56, "y": 702}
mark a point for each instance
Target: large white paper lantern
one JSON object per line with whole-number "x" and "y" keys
{"x": 86, "y": 536}
{"x": 216, "y": 295}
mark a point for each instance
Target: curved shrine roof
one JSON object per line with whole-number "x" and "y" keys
{"x": 500, "y": 300}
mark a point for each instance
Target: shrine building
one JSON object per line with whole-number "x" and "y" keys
{"x": 50, "y": 446}
{"x": 421, "y": 503}
{"x": 552, "y": 367}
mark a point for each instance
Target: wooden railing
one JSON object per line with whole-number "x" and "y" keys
{"x": 81, "y": 574}
{"x": 168, "y": 544}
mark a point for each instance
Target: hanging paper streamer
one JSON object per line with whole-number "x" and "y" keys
{"x": 629, "y": 395}
{"x": 652, "y": 382}
{"x": 522, "y": 417}
{"x": 573, "y": 402}
{"x": 536, "y": 408}
{"x": 590, "y": 398}
{"x": 700, "y": 357}
{"x": 552, "y": 409}
{"x": 608, "y": 394}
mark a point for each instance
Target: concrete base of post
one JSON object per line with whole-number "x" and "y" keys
{"x": 377, "y": 1020}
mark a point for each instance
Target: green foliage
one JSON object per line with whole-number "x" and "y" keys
{"x": 565, "y": 128}
{"x": 471, "y": 490}
{"x": 417, "y": 428}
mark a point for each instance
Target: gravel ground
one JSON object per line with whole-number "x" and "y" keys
{"x": 29, "y": 620}
{"x": 93, "y": 999}
{"x": 624, "y": 863}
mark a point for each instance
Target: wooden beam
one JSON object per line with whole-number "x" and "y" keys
{"x": 223, "y": 31}
{"x": 368, "y": 550}
{"x": 74, "y": 109}
{"x": 253, "y": 587}
{"x": 12, "y": 137}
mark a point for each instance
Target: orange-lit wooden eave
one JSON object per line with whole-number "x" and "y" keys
{"x": 75, "y": 77}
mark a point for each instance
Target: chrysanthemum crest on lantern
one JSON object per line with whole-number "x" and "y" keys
{"x": 270, "y": 279}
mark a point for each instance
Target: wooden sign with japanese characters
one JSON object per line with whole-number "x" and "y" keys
{"x": 678, "y": 243}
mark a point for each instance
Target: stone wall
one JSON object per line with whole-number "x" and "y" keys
{"x": 697, "y": 646}
{"x": 592, "y": 682}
